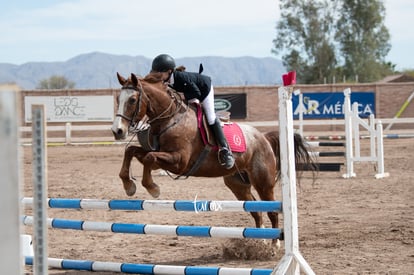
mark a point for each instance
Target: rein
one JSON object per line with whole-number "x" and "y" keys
{"x": 160, "y": 116}
{"x": 178, "y": 105}
{"x": 152, "y": 144}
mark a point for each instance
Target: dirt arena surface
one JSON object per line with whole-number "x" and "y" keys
{"x": 346, "y": 226}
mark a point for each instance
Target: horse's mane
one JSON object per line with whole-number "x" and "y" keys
{"x": 153, "y": 77}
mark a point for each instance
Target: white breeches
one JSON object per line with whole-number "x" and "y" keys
{"x": 208, "y": 106}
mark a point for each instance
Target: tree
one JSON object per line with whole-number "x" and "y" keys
{"x": 304, "y": 37}
{"x": 55, "y": 82}
{"x": 323, "y": 39}
{"x": 409, "y": 72}
{"x": 363, "y": 39}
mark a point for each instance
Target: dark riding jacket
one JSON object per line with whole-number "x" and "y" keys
{"x": 193, "y": 85}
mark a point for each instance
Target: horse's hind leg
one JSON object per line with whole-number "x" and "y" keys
{"x": 266, "y": 194}
{"x": 265, "y": 186}
{"x": 242, "y": 191}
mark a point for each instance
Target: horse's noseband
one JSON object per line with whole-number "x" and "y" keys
{"x": 124, "y": 117}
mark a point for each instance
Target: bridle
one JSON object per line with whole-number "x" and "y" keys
{"x": 133, "y": 124}
{"x": 141, "y": 93}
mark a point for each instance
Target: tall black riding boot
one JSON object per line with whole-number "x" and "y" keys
{"x": 225, "y": 156}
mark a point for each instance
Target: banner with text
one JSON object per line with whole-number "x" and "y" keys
{"x": 72, "y": 108}
{"x": 233, "y": 103}
{"x": 330, "y": 104}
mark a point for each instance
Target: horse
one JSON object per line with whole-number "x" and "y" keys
{"x": 173, "y": 125}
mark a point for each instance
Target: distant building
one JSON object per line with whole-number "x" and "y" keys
{"x": 397, "y": 78}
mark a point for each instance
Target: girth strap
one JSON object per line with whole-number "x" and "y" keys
{"x": 146, "y": 143}
{"x": 197, "y": 164}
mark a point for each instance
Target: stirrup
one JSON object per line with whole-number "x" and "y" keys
{"x": 226, "y": 158}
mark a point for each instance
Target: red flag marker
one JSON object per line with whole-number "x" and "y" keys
{"x": 289, "y": 78}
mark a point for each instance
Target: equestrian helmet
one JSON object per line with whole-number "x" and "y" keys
{"x": 163, "y": 63}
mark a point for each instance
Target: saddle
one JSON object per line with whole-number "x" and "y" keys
{"x": 232, "y": 131}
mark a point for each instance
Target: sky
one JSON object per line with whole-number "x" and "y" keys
{"x": 57, "y": 30}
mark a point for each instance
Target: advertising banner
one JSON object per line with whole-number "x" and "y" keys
{"x": 330, "y": 104}
{"x": 233, "y": 103}
{"x": 72, "y": 108}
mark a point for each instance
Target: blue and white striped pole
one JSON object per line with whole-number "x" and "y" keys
{"x": 173, "y": 205}
{"x": 155, "y": 229}
{"x": 153, "y": 269}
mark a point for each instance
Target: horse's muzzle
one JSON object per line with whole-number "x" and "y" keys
{"x": 118, "y": 134}
{"x": 118, "y": 129}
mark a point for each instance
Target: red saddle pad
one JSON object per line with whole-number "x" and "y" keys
{"x": 235, "y": 137}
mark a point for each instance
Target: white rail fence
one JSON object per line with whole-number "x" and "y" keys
{"x": 103, "y": 132}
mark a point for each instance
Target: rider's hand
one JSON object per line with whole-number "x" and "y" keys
{"x": 194, "y": 100}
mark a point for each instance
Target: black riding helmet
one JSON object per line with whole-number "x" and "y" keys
{"x": 163, "y": 63}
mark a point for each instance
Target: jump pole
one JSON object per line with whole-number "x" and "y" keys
{"x": 292, "y": 262}
{"x": 132, "y": 268}
{"x": 10, "y": 255}
{"x": 156, "y": 229}
{"x": 196, "y": 206}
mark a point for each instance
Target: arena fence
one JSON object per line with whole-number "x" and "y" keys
{"x": 70, "y": 134}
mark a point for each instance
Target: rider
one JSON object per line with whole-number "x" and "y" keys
{"x": 196, "y": 88}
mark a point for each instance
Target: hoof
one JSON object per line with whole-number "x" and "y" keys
{"x": 154, "y": 191}
{"x": 131, "y": 190}
{"x": 276, "y": 243}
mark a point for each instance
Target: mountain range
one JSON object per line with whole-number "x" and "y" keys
{"x": 98, "y": 70}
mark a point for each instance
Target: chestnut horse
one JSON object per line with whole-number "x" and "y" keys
{"x": 179, "y": 144}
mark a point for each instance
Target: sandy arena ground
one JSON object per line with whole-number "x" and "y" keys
{"x": 346, "y": 226}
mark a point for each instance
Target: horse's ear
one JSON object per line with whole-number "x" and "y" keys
{"x": 121, "y": 79}
{"x": 134, "y": 79}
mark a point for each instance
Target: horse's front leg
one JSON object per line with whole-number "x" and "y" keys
{"x": 148, "y": 182}
{"x": 124, "y": 174}
{"x": 153, "y": 161}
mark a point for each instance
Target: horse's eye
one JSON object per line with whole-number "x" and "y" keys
{"x": 132, "y": 101}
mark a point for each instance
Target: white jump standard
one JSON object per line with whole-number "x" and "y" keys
{"x": 352, "y": 124}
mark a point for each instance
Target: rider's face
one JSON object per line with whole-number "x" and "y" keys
{"x": 166, "y": 75}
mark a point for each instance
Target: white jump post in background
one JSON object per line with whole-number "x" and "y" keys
{"x": 40, "y": 266}
{"x": 11, "y": 260}
{"x": 352, "y": 124}
{"x": 292, "y": 262}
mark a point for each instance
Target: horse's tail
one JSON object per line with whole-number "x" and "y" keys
{"x": 302, "y": 156}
